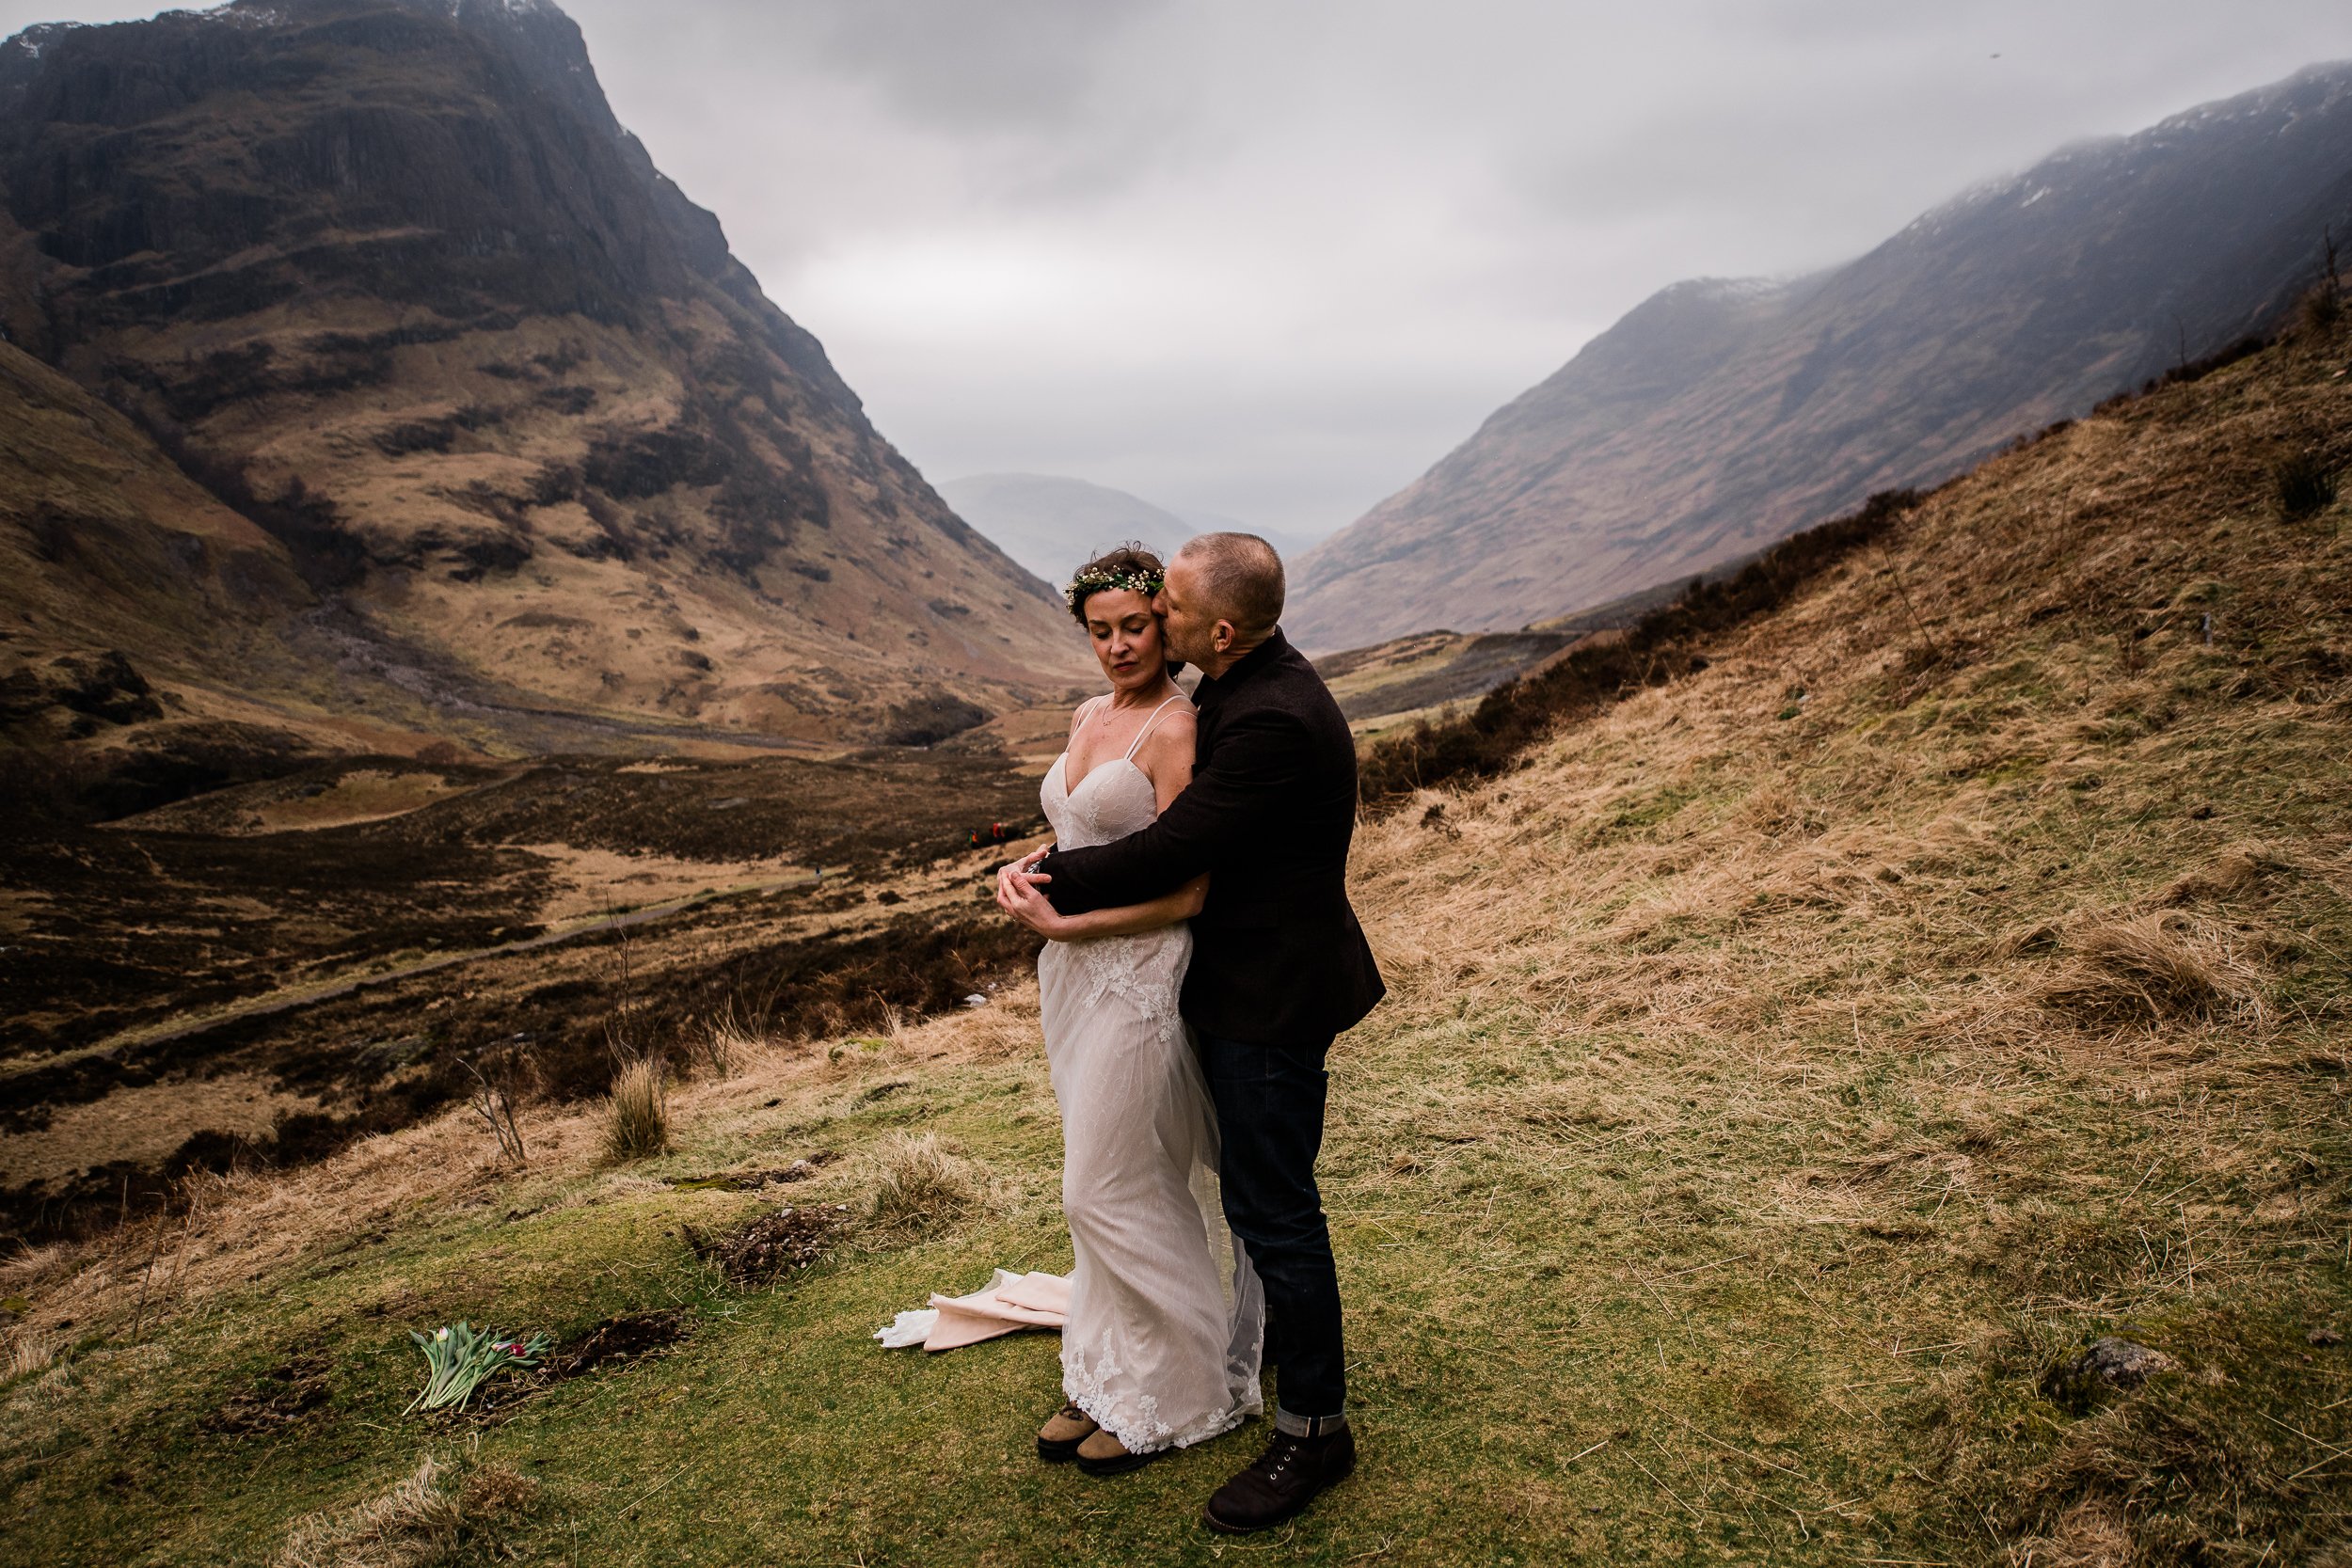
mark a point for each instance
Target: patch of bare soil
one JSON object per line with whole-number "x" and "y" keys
{"x": 618, "y": 1341}
{"x": 765, "y": 1248}
{"x": 286, "y": 1397}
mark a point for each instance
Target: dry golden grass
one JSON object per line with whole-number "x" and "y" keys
{"x": 251, "y": 1224}
{"x": 414, "y": 1524}
{"x": 425, "y": 1519}
{"x": 1967, "y": 957}
{"x": 637, "y": 1112}
{"x": 2138, "y": 971}
{"x": 29, "y": 1352}
{"x": 920, "y": 1183}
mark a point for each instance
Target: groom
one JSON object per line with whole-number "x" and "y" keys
{"x": 1278, "y": 969}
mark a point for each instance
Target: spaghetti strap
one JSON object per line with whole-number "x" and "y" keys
{"x": 1148, "y": 722}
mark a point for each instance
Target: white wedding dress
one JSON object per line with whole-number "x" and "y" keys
{"x": 1167, "y": 1320}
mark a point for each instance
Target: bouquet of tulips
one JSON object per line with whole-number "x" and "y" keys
{"x": 462, "y": 1360}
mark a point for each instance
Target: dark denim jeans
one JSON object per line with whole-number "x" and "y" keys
{"x": 1269, "y": 1111}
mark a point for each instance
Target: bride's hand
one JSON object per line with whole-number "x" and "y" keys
{"x": 1019, "y": 870}
{"x": 1017, "y": 894}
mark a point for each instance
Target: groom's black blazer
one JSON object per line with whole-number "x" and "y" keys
{"x": 1277, "y": 957}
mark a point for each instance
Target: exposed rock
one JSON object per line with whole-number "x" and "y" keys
{"x": 94, "y": 687}
{"x": 929, "y": 719}
{"x": 2108, "y": 1362}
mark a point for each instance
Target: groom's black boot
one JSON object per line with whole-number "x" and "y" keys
{"x": 1293, "y": 1472}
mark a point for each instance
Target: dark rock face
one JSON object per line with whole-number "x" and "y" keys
{"x": 927, "y": 721}
{"x": 94, "y": 689}
{"x": 1719, "y": 417}
{"x": 389, "y": 277}
{"x": 482, "y": 155}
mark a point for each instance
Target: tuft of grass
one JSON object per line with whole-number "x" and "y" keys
{"x": 30, "y": 1353}
{"x": 415, "y": 1523}
{"x": 495, "y": 1491}
{"x": 921, "y": 1183}
{"x": 2150, "y": 969}
{"x": 2323, "y": 306}
{"x": 2302, "y": 485}
{"x": 637, "y": 1119}
{"x": 430, "y": 1516}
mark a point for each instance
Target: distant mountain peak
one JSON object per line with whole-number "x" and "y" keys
{"x": 1721, "y": 415}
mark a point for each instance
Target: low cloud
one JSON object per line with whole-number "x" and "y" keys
{"x": 1274, "y": 260}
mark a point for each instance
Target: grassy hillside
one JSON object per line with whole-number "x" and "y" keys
{"x": 1788, "y": 1069}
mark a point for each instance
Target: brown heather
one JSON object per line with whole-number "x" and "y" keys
{"x": 1787, "y": 1065}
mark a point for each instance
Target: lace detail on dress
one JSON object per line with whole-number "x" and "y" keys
{"x": 1144, "y": 970}
{"x": 1167, "y": 1319}
{"x": 1096, "y": 1384}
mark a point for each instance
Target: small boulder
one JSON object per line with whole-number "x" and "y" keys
{"x": 2078, "y": 1380}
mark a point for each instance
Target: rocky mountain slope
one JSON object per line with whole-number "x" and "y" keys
{"x": 152, "y": 640}
{"x": 391, "y": 280}
{"x": 1720, "y": 416}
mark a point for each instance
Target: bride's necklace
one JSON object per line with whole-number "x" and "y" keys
{"x": 1159, "y": 699}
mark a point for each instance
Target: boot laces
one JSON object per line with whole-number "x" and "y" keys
{"x": 1279, "y": 1455}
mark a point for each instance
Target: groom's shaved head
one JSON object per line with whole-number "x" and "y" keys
{"x": 1241, "y": 576}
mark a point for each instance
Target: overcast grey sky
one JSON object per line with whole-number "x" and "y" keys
{"x": 1274, "y": 258}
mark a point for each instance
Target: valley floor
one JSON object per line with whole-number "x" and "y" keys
{"x": 1786, "y": 1074}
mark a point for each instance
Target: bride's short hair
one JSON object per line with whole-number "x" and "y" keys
{"x": 1129, "y": 566}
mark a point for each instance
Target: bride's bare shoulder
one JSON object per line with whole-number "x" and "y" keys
{"x": 1165, "y": 754}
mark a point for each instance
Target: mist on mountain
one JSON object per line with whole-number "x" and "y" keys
{"x": 1721, "y": 415}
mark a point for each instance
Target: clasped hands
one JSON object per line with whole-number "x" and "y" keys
{"x": 1017, "y": 894}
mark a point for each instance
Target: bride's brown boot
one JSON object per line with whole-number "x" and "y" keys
{"x": 1104, "y": 1455}
{"x": 1058, "y": 1440}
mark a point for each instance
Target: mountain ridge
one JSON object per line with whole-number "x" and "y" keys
{"x": 1721, "y": 415}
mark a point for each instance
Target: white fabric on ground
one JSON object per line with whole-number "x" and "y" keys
{"x": 1007, "y": 1302}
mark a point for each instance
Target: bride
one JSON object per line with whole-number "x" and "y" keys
{"x": 1165, "y": 1320}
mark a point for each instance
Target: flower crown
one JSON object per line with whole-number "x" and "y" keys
{"x": 1097, "y": 579}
